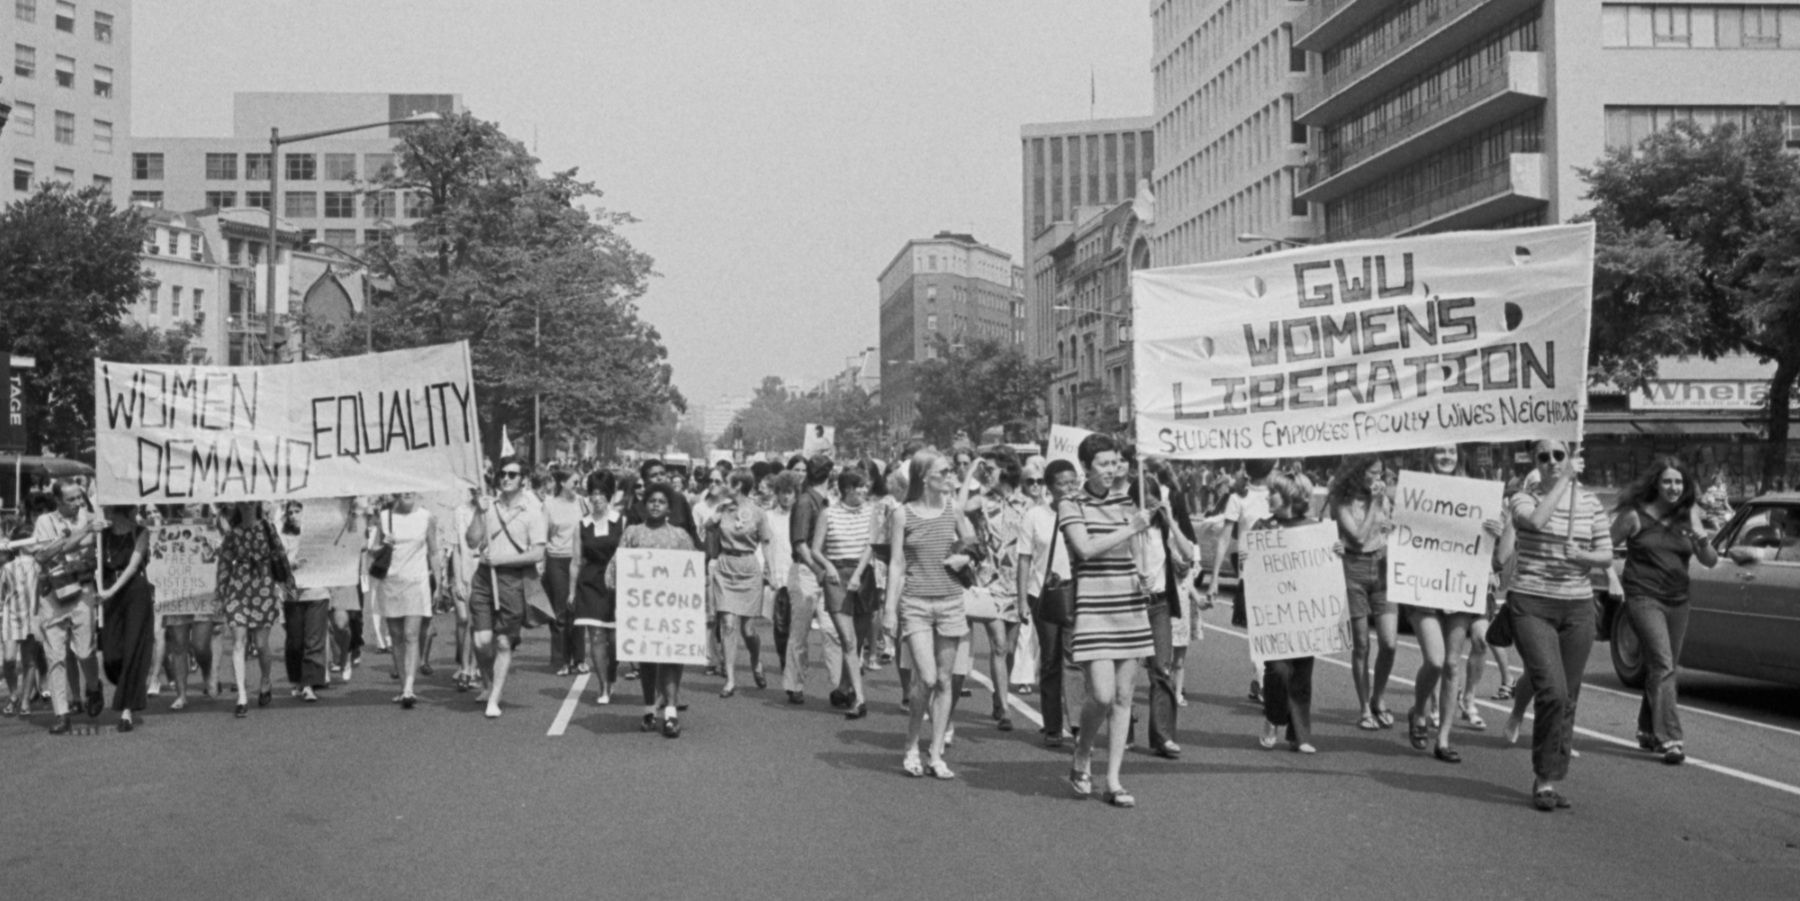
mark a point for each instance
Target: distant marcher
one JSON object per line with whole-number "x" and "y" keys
{"x": 562, "y": 516}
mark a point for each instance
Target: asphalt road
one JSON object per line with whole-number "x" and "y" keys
{"x": 354, "y": 797}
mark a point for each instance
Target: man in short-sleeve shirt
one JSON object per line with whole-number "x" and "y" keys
{"x": 509, "y": 535}
{"x": 68, "y": 626}
{"x": 806, "y": 586}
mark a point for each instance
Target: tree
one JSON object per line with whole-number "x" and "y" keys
{"x": 774, "y": 420}
{"x": 981, "y": 384}
{"x": 137, "y": 343}
{"x": 69, "y": 270}
{"x": 1699, "y": 254}
{"x": 857, "y": 421}
{"x": 544, "y": 289}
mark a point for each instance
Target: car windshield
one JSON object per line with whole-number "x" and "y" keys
{"x": 1772, "y": 532}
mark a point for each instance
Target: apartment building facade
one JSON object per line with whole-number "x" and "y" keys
{"x": 70, "y": 90}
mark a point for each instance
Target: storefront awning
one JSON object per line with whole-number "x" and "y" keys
{"x": 1656, "y": 425}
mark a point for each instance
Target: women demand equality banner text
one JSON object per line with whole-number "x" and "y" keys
{"x": 1366, "y": 346}
{"x": 373, "y": 424}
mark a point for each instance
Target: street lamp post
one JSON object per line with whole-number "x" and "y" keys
{"x": 276, "y": 141}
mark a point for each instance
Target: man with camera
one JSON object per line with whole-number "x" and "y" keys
{"x": 65, "y": 548}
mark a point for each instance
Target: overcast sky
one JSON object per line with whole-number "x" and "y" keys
{"x": 778, "y": 153}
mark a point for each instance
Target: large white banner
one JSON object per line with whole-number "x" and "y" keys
{"x": 374, "y": 424}
{"x": 662, "y": 606}
{"x": 1294, "y": 596}
{"x": 1438, "y": 554}
{"x": 1366, "y": 346}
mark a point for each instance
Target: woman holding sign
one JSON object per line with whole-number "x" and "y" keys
{"x": 1563, "y": 533}
{"x": 1288, "y": 683}
{"x": 1359, "y": 503}
{"x": 661, "y": 681}
{"x": 1112, "y": 619}
{"x": 1661, "y": 527}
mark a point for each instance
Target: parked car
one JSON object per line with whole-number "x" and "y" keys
{"x": 1744, "y": 614}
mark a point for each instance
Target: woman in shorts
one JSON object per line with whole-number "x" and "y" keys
{"x": 925, "y": 602}
{"x": 1358, "y": 502}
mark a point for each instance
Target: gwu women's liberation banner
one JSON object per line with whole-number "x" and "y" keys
{"x": 374, "y": 424}
{"x": 1366, "y": 346}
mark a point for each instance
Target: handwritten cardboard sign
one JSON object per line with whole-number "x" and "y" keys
{"x": 184, "y": 567}
{"x": 1294, "y": 592}
{"x": 662, "y": 606}
{"x": 1438, "y": 554}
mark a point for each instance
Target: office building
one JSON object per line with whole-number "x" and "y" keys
{"x": 1225, "y": 76}
{"x": 1090, "y": 275}
{"x": 1068, "y": 166}
{"x": 70, "y": 90}
{"x": 949, "y": 286}
{"x": 328, "y": 185}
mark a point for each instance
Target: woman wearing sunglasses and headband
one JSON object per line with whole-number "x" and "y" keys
{"x": 509, "y": 537}
{"x": 1562, "y": 534}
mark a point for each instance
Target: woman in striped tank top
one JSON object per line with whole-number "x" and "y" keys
{"x": 1112, "y": 619}
{"x": 925, "y": 602}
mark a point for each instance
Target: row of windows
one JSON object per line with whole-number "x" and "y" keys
{"x": 24, "y": 172}
{"x": 1696, "y": 26}
{"x": 1220, "y": 35}
{"x": 24, "y": 124}
{"x": 1628, "y": 126}
{"x": 304, "y": 204}
{"x": 1266, "y": 206}
{"x": 1378, "y": 39}
{"x": 25, "y": 65}
{"x": 27, "y": 11}
{"x": 1440, "y": 86}
{"x": 154, "y": 291}
{"x": 1254, "y": 143}
{"x": 1484, "y": 156}
{"x": 1250, "y": 79}
{"x": 1085, "y": 170}
{"x": 296, "y": 166}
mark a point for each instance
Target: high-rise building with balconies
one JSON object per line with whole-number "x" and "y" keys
{"x": 1438, "y": 115}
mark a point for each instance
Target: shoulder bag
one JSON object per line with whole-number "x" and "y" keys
{"x": 1056, "y": 602}
{"x": 383, "y": 558}
{"x": 279, "y": 568}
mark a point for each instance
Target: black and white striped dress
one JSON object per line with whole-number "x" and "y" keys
{"x": 1112, "y": 619}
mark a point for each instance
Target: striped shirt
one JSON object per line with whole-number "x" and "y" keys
{"x": 1112, "y": 620}
{"x": 1543, "y": 567}
{"x": 927, "y": 543}
{"x": 846, "y": 532}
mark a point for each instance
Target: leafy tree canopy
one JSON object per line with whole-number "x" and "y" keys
{"x": 775, "y": 420}
{"x": 976, "y": 386}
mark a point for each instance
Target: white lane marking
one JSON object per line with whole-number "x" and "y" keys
{"x": 1610, "y": 739}
{"x": 561, "y": 723}
{"x": 1019, "y": 704}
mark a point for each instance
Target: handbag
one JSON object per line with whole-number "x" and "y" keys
{"x": 979, "y": 603}
{"x": 1056, "y": 602}
{"x": 383, "y": 558}
{"x": 1500, "y": 629}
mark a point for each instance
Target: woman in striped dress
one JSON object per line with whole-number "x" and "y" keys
{"x": 843, "y": 541}
{"x": 925, "y": 601}
{"x": 1112, "y": 619}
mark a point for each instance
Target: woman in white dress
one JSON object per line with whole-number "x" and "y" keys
{"x": 403, "y": 596}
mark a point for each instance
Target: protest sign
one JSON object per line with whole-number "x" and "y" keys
{"x": 718, "y": 455}
{"x": 331, "y": 541}
{"x": 1294, "y": 593}
{"x": 820, "y": 439}
{"x": 1438, "y": 554}
{"x": 184, "y": 567}
{"x": 662, "y": 606}
{"x": 1366, "y": 346}
{"x": 1065, "y": 440}
{"x": 372, "y": 424}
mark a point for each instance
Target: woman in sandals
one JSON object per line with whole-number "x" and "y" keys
{"x": 1661, "y": 529}
{"x": 1287, "y": 684}
{"x": 661, "y": 681}
{"x": 602, "y": 526}
{"x": 1563, "y": 533}
{"x": 925, "y": 603}
{"x": 249, "y": 593}
{"x": 1112, "y": 618}
{"x": 1358, "y": 502}
{"x": 1443, "y": 638}
{"x": 403, "y": 594}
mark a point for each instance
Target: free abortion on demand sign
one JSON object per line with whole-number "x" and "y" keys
{"x": 1366, "y": 346}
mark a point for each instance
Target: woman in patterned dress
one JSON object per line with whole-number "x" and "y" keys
{"x": 249, "y": 593}
{"x": 1112, "y": 619}
{"x": 18, "y": 597}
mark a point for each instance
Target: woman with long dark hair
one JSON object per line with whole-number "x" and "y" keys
{"x": 661, "y": 681}
{"x": 738, "y": 531}
{"x": 1661, "y": 527}
{"x": 1359, "y": 503}
{"x": 249, "y": 593}
{"x": 128, "y": 612}
{"x": 595, "y": 602}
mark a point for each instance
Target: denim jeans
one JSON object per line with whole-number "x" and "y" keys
{"x": 1287, "y": 696}
{"x": 1553, "y": 637}
{"x": 1661, "y": 628}
{"x": 1052, "y": 648}
{"x": 1161, "y": 671}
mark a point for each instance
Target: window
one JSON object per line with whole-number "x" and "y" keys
{"x": 24, "y": 119}
{"x": 174, "y": 243}
{"x": 24, "y": 61}
{"x": 65, "y": 16}
{"x": 378, "y": 165}
{"x": 65, "y": 127}
{"x": 175, "y": 301}
{"x": 378, "y": 205}
{"x": 103, "y": 136}
{"x": 103, "y": 81}
{"x": 221, "y": 167}
{"x": 103, "y": 23}
{"x": 308, "y": 236}
{"x": 340, "y": 167}
{"x": 341, "y": 238}
{"x": 199, "y": 302}
{"x": 65, "y": 71}
{"x": 931, "y": 322}
{"x": 150, "y": 295}
{"x": 301, "y": 204}
{"x": 1670, "y": 26}
{"x": 153, "y": 198}
{"x": 256, "y": 166}
{"x": 302, "y": 167}
{"x": 147, "y": 166}
{"x": 65, "y": 176}
{"x": 234, "y": 255}
{"x": 221, "y": 199}
{"x": 256, "y": 199}
{"x": 374, "y": 236}
{"x": 26, "y": 10}
{"x": 340, "y": 204}
{"x": 22, "y": 170}
{"x": 416, "y": 204}
{"x": 103, "y": 181}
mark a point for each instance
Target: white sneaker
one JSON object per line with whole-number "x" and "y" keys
{"x": 604, "y": 699}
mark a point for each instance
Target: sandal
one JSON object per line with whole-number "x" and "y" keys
{"x": 1271, "y": 736}
{"x": 1471, "y": 718}
{"x": 8, "y": 709}
{"x": 1418, "y": 731}
{"x": 1504, "y": 692}
{"x": 1384, "y": 716}
{"x": 1367, "y": 723}
{"x": 1082, "y": 783}
{"x": 940, "y": 769}
{"x": 912, "y": 765}
{"x": 1120, "y": 798}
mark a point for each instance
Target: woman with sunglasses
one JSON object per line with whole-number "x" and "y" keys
{"x": 1359, "y": 503}
{"x": 1112, "y": 620}
{"x": 1562, "y": 534}
{"x": 249, "y": 593}
{"x": 601, "y": 529}
{"x": 661, "y": 681}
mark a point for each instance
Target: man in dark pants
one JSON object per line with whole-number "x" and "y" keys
{"x": 1041, "y": 551}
